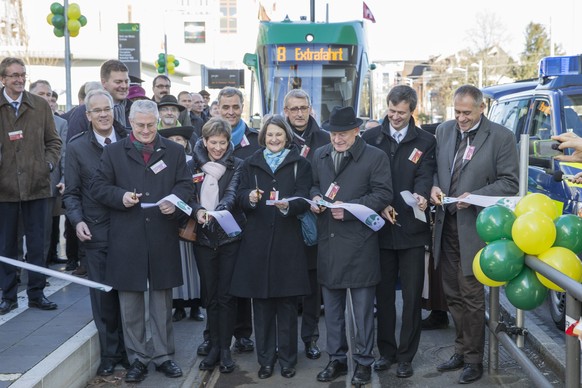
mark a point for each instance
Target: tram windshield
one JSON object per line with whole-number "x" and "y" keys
{"x": 329, "y": 73}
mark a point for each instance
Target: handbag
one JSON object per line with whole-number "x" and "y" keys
{"x": 187, "y": 232}
{"x": 308, "y": 222}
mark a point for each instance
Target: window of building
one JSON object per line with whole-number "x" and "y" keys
{"x": 228, "y": 16}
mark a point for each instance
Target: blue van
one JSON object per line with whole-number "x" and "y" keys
{"x": 549, "y": 106}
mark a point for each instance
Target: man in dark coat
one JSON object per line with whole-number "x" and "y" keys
{"x": 308, "y": 137}
{"x": 403, "y": 240}
{"x": 143, "y": 252}
{"x": 348, "y": 170}
{"x": 30, "y": 150}
{"x": 91, "y": 222}
{"x": 474, "y": 156}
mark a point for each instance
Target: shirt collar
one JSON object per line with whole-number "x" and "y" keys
{"x": 403, "y": 131}
{"x": 10, "y": 100}
{"x": 101, "y": 139}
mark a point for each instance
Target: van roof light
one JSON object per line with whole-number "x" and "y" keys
{"x": 565, "y": 65}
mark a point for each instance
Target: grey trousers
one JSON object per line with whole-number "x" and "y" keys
{"x": 133, "y": 316}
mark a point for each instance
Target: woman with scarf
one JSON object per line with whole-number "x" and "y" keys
{"x": 216, "y": 174}
{"x": 272, "y": 265}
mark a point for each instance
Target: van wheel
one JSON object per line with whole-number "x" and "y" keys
{"x": 558, "y": 308}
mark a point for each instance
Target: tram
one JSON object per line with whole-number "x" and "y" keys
{"x": 327, "y": 60}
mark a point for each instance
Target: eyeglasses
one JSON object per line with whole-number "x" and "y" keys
{"x": 296, "y": 109}
{"x": 162, "y": 86}
{"x": 100, "y": 111}
{"x": 16, "y": 75}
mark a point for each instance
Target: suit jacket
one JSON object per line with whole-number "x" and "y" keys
{"x": 492, "y": 170}
{"x": 143, "y": 243}
{"x": 58, "y": 173}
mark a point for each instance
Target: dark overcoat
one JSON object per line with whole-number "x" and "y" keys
{"x": 413, "y": 166}
{"x": 348, "y": 252}
{"x": 143, "y": 243}
{"x": 271, "y": 261}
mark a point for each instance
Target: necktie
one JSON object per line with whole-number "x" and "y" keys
{"x": 15, "y": 106}
{"x": 457, "y": 166}
{"x": 397, "y": 137}
{"x": 338, "y": 157}
{"x": 107, "y": 141}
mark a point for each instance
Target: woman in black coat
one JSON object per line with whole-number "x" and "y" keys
{"x": 216, "y": 174}
{"x": 272, "y": 266}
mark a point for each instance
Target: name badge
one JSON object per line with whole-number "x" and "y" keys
{"x": 469, "y": 153}
{"x": 415, "y": 155}
{"x": 15, "y": 135}
{"x": 244, "y": 142}
{"x": 197, "y": 178}
{"x": 305, "y": 150}
{"x": 274, "y": 195}
{"x": 159, "y": 166}
{"x": 332, "y": 190}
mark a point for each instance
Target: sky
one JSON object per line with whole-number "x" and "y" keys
{"x": 423, "y": 28}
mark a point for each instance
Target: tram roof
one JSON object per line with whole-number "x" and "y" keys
{"x": 288, "y": 32}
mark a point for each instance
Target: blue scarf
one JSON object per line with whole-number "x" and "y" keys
{"x": 237, "y": 133}
{"x": 274, "y": 160}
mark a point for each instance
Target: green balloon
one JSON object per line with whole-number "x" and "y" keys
{"x": 57, "y": 9}
{"x": 59, "y": 32}
{"x": 494, "y": 223}
{"x": 59, "y": 21}
{"x": 161, "y": 69}
{"x": 176, "y": 63}
{"x": 569, "y": 232}
{"x": 525, "y": 291}
{"x": 83, "y": 21}
{"x": 501, "y": 260}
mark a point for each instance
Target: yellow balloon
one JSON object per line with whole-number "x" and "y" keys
{"x": 74, "y": 11}
{"x": 171, "y": 71}
{"x": 480, "y": 276}
{"x": 49, "y": 18}
{"x": 537, "y": 202}
{"x": 170, "y": 66}
{"x": 74, "y": 27}
{"x": 565, "y": 261}
{"x": 171, "y": 58}
{"x": 73, "y": 34}
{"x": 533, "y": 232}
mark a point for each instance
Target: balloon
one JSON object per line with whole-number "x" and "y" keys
{"x": 161, "y": 69}
{"x": 525, "y": 290}
{"x": 73, "y": 34}
{"x": 162, "y": 61}
{"x": 538, "y": 202}
{"x": 57, "y": 9}
{"x": 171, "y": 71}
{"x": 83, "y": 20}
{"x": 565, "y": 261}
{"x": 74, "y": 26}
{"x": 171, "y": 58}
{"x": 162, "y": 56}
{"x": 569, "y": 232}
{"x": 49, "y": 18}
{"x": 176, "y": 63}
{"x": 170, "y": 66}
{"x": 59, "y": 32}
{"x": 74, "y": 11}
{"x": 480, "y": 276}
{"x": 59, "y": 21}
{"x": 533, "y": 232}
{"x": 494, "y": 223}
{"x": 501, "y": 260}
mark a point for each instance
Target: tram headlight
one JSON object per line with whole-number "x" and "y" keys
{"x": 309, "y": 38}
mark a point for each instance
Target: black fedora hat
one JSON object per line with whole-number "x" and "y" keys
{"x": 342, "y": 119}
{"x": 169, "y": 100}
{"x": 185, "y": 132}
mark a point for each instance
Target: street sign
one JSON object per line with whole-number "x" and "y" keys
{"x": 128, "y": 43}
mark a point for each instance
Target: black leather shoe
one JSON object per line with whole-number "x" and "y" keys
{"x": 244, "y": 345}
{"x": 312, "y": 351}
{"x": 71, "y": 265}
{"x": 106, "y": 368}
{"x": 57, "y": 260}
{"x": 362, "y": 375}
{"x": 179, "y": 314}
{"x": 455, "y": 362}
{"x": 382, "y": 364}
{"x": 196, "y": 315}
{"x": 204, "y": 348}
{"x": 332, "y": 371}
{"x": 404, "y": 370}
{"x": 470, "y": 373}
{"x": 170, "y": 369}
{"x": 435, "y": 321}
{"x": 287, "y": 372}
{"x": 137, "y": 372}
{"x": 211, "y": 360}
{"x": 265, "y": 371}
{"x": 7, "y": 305}
{"x": 226, "y": 363}
{"x": 42, "y": 303}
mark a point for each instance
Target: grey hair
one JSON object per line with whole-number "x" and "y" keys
{"x": 470, "y": 90}
{"x": 97, "y": 92}
{"x": 297, "y": 93}
{"x": 144, "y": 106}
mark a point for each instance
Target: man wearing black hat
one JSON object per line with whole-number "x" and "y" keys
{"x": 170, "y": 112}
{"x": 348, "y": 170}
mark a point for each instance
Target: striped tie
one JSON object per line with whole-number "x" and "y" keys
{"x": 15, "y": 106}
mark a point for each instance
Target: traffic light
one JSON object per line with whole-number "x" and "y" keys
{"x": 74, "y": 19}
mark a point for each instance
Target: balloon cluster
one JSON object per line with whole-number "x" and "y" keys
{"x": 170, "y": 64}
{"x": 74, "y": 19}
{"x": 534, "y": 228}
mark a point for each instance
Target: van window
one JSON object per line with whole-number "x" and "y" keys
{"x": 541, "y": 123}
{"x": 573, "y": 114}
{"x": 511, "y": 114}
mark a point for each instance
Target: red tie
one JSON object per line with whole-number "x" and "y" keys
{"x": 107, "y": 141}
